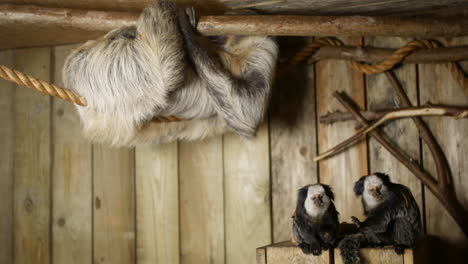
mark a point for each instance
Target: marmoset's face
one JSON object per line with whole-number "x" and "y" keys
{"x": 374, "y": 188}
{"x": 316, "y": 196}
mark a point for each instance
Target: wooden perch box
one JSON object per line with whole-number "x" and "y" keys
{"x": 286, "y": 252}
{"x": 385, "y": 255}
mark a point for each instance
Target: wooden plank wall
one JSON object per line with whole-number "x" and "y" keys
{"x": 437, "y": 86}
{"x": 65, "y": 200}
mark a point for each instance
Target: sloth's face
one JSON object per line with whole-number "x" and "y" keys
{"x": 374, "y": 188}
{"x": 117, "y": 64}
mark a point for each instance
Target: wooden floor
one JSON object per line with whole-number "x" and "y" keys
{"x": 65, "y": 200}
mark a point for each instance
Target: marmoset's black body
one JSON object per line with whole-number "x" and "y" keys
{"x": 315, "y": 222}
{"x": 393, "y": 217}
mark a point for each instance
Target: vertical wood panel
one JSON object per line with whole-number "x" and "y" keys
{"x": 403, "y": 133}
{"x": 114, "y": 206}
{"x": 72, "y": 182}
{"x": 261, "y": 255}
{"x": 157, "y": 204}
{"x": 32, "y": 162}
{"x": 6, "y": 162}
{"x": 202, "y": 202}
{"x": 293, "y": 145}
{"x": 438, "y": 86}
{"x": 342, "y": 170}
{"x": 247, "y": 195}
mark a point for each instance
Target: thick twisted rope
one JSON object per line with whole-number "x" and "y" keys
{"x": 40, "y": 86}
{"x": 396, "y": 58}
{"x": 389, "y": 63}
{"x": 308, "y": 50}
{"x": 55, "y": 91}
{"x": 400, "y": 54}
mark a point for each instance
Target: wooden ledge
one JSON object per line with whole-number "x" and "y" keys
{"x": 286, "y": 252}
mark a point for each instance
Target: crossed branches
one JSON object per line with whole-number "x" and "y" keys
{"x": 442, "y": 186}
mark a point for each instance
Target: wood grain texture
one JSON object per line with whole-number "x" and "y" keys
{"x": 341, "y": 7}
{"x": 72, "y": 183}
{"x": 7, "y": 139}
{"x": 261, "y": 255}
{"x": 409, "y": 257}
{"x": 24, "y": 34}
{"x": 121, "y": 5}
{"x": 157, "y": 210}
{"x": 341, "y": 170}
{"x": 32, "y": 160}
{"x": 379, "y": 255}
{"x": 114, "y": 205}
{"x": 288, "y": 253}
{"x": 403, "y": 133}
{"x": 438, "y": 86}
{"x": 247, "y": 195}
{"x": 293, "y": 145}
{"x": 202, "y": 202}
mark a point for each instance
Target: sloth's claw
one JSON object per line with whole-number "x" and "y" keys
{"x": 190, "y": 11}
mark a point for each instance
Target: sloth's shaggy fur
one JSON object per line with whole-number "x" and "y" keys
{"x": 134, "y": 74}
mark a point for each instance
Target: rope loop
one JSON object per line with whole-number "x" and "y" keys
{"x": 389, "y": 63}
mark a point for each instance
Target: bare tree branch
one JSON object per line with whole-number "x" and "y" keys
{"x": 445, "y": 194}
{"x": 456, "y": 112}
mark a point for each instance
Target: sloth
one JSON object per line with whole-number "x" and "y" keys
{"x": 393, "y": 217}
{"x": 315, "y": 222}
{"x": 157, "y": 68}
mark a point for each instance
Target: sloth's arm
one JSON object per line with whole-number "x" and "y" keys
{"x": 241, "y": 100}
{"x": 159, "y": 34}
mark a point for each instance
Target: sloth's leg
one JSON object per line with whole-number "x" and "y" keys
{"x": 241, "y": 100}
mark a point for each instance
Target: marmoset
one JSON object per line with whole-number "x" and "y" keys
{"x": 393, "y": 217}
{"x": 315, "y": 222}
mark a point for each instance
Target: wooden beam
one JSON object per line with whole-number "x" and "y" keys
{"x": 22, "y": 15}
{"x": 332, "y": 26}
{"x": 26, "y": 25}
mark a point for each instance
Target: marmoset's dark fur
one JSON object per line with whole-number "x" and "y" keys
{"x": 137, "y": 73}
{"x": 315, "y": 222}
{"x": 393, "y": 217}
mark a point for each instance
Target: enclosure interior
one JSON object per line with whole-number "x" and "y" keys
{"x": 66, "y": 200}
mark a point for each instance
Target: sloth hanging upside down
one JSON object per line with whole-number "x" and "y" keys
{"x": 158, "y": 69}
